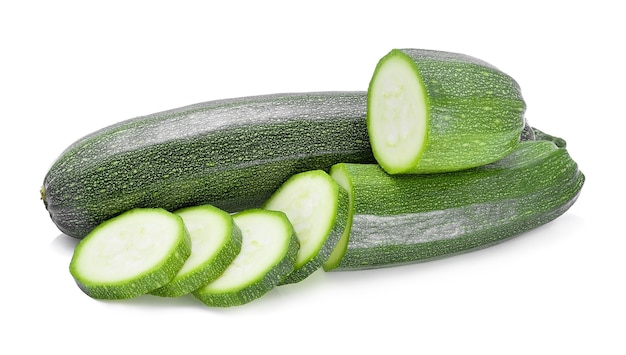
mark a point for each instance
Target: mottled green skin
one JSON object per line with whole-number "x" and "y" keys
{"x": 412, "y": 218}
{"x": 255, "y": 289}
{"x": 475, "y": 111}
{"x": 138, "y": 284}
{"x": 211, "y": 268}
{"x": 231, "y": 153}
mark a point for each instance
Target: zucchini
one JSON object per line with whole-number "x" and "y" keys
{"x": 400, "y": 219}
{"x": 131, "y": 254}
{"x": 268, "y": 254}
{"x": 215, "y": 242}
{"x": 317, "y": 207}
{"x": 231, "y": 153}
{"x": 432, "y": 111}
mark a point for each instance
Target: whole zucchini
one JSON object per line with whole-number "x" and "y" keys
{"x": 400, "y": 219}
{"x": 231, "y": 153}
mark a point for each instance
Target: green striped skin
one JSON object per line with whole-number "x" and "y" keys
{"x": 98, "y": 245}
{"x": 230, "y": 153}
{"x": 215, "y": 237}
{"x": 318, "y": 208}
{"x": 261, "y": 277}
{"x": 400, "y": 219}
{"x": 474, "y": 113}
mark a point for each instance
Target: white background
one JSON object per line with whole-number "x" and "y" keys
{"x": 69, "y": 68}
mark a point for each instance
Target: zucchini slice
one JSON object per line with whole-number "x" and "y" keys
{"x": 432, "y": 111}
{"x": 317, "y": 207}
{"x": 401, "y": 219}
{"x": 340, "y": 248}
{"x": 131, "y": 254}
{"x": 215, "y": 242}
{"x": 268, "y": 254}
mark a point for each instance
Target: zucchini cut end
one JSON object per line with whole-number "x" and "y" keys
{"x": 397, "y": 113}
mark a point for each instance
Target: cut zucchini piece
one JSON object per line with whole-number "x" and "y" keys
{"x": 337, "y": 254}
{"x": 268, "y": 254}
{"x": 317, "y": 207}
{"x": 398, "y": 114}
{"x": 215, "y": 242}
{"x": 131, "y": 254}
{"x": 432, "y": 111}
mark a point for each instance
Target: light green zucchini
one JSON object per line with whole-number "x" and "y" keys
{"x": 268, "y": 254}
{"x": 317, "y": 207}
{"x": 131, "y": 254}
{"x": 432, "y": 111}
{"x": 215, "y": 242}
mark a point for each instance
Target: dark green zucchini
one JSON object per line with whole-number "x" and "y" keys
{"x": 230, "y": 153}
{"x": 400, "y": 219}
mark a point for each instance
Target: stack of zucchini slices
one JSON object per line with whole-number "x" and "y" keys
{"x": 226, "y": 200}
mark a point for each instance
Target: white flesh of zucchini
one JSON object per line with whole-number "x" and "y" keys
{"x": 397, "y": 114}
